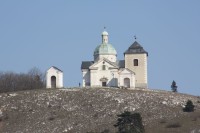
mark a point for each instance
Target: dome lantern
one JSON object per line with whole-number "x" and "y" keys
{"x": 105, "y": 50}
{"x": 104, "y": 36}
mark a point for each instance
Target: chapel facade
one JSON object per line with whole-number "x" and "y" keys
{"x": 54, "y": 78}
{"x": 106, "y": 70}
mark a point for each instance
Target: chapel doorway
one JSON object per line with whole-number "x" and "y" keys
{"x": 53, "y": 82}
{"x": 103, "y": 84}
{"x": 127, "y": 82}
{"x": 103, "y": 81}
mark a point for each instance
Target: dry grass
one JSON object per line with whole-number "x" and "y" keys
{"x": 184, "y": 124}
{"x": 84, "y": 110}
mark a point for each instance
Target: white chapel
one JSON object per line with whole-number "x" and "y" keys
{"x": 54, "y": 78}
{"x": 106, "y": 70}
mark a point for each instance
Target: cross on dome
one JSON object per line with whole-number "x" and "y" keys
{"x": 135, "y": 37}
{"x": 104, "y": 36}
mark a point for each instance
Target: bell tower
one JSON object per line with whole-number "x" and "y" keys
{"x": 136, "y": 61}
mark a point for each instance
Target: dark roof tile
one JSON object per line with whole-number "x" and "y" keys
{"x": 57, "y": 68}
{"x": 121, "y": 63}
{"x": 135, "y": 48}
{"x": 86, "y": 64}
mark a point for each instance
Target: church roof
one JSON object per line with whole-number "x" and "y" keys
{"x": 135, "y": 48}
{"x": 120, "y": 63}
{"x": 87, "y": 64}
{"x": 56, "y": 68}
{"x": 127, "y": 70}
{"x": 105, "y": 49}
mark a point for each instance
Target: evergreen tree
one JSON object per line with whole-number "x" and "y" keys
{"x": 174, "y": 86}
{"x": 189, "y": 107}
{"x": 130, "y": 123}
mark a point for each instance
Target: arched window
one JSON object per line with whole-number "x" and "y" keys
{"x": 104, "y": 67}
{"x": 135, "y": 62}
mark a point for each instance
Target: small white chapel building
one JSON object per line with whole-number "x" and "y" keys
{"x": 54, "y": 78}
{"x": 106, "y": 70}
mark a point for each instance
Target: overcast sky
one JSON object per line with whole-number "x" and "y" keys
{"x": 62, "y": 33}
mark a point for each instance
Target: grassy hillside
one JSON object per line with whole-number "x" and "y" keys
{"x": 87, "y": 110}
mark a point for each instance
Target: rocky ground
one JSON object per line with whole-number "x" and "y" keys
{"x": 95, "y": 110}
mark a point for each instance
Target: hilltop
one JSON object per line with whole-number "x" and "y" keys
{"x": 94, "y": 110}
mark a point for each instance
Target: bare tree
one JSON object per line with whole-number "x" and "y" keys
{"x": 10, "y": 81}
{"x": 37, "y": 78}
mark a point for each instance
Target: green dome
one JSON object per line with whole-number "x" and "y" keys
{"x": 105, "y": 49}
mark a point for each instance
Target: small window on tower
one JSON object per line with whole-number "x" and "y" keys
{"x": 104, "y": 67}
{"x": 135, "y": 62}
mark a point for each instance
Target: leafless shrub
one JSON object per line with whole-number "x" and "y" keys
{"x": 163, "y": 121}
{"x": 51, "y": 118}
{"x": 106, "y": 131}
{"x": 49, "y": 106}
{"x": 173, "y": 125}
{"x": 194, "y": 119}
{"x": 10, "y": 81}
{"x": 30, "y": 110}
{"x": 4, "y": 117}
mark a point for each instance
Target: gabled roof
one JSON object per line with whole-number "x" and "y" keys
{"x": 127, "y": 70}
{"x": 135, "y": 48}
{"x": 105, "y": 60}
{"x": 56, "y": 68}
{"x": 120, "y": 63}
{"x": 86, "y": 64}
{"x": 112, "y": 63}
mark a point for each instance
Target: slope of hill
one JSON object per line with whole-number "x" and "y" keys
{"x": 94, "y": 110}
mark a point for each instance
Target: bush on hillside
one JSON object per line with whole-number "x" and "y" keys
{"x": 130, "y": 123}
{"x": 189, "y": 107}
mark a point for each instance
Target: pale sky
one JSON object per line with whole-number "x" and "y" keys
{"x": 62, "y": 33}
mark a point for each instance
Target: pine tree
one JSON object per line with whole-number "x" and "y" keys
{"x": 174, "y": 86}
{"x": 189, "y": 107}
{"x": 130, "y": 123}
